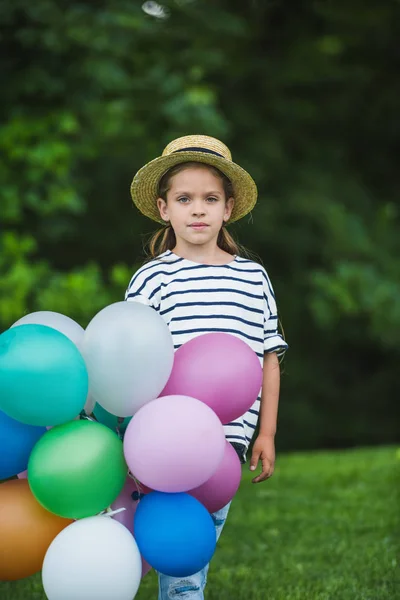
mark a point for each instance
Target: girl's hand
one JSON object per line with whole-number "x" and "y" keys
{"x": 264, "y": 450}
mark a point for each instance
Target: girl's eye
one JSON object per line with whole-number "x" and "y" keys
{"x": 183, "y": 199}
{"x": 212, "y": 199}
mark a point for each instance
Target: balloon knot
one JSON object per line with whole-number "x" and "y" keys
{"x": 136, "y": 496}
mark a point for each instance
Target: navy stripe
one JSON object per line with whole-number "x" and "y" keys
{"x": 234, "y": 424}
{"x": 273, "y": 331}
{"x": 217, "y": 278}
{"x": 181, "y": 304}
{"x": 155, "y": 263}
{"x": 154, "y": 292}
{"x": 230, "y": 317}
{"x": 157, "y": 289}
{"x": 186, "y": 280}
{"x": 249, "y": 424}
{"x": 253, "y": 412}
{"x": 245, "y": 260}
{"x": 236, "y": 437}
{"x": 135, "y": 294}
{"x": 268, "y": 306}
{"x": 282, "y": 346}
{"x": 198, "y": 149}
{"x": 271, "y": 291}
{"x": 207, "y": 291}
{"x": 191, "y": 268}
{"x": 216, "y": 329}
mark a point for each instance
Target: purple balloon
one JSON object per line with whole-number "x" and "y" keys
{"x": 174, "y": 444}
{"x": 220, "y": 370}
{"x": 215, "y": 493}
{"x": 127, "y": 516}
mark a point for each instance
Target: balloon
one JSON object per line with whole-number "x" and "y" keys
{"x": 174, "y": 444}
{"x": 64, "y": 324}
{"x": 26, "y": 531}
{"x": 43, "y": 377}
{"x": 174, "y": 533}
{"x": 109, "y": 420}
{"x": 93, "y": 559}
{"x": 215, "y": 493}
{"x": 129, "y": 353}
{"x": 220, "y": 370}
{"x": 127, "y": 516}
{"x": 23, "y": 475}
{"x": 77, "y": 469}
{"x": 16, "y": 443}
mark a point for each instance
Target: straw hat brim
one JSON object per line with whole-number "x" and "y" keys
{"x": 144, "y": 187}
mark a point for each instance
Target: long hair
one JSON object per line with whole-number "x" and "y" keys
{"x": 164, "y": 239}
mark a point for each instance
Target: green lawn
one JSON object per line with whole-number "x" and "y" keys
{"x": 325, "y": 527}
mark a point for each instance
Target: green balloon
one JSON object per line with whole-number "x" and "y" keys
{"x": 77, "y": 469}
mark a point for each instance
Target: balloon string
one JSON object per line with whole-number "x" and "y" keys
{"x": 110, "y": 513}
{"x": 83, "y": 416}
{"x": 120, "y": 434}
{"x": 137, "y": 483}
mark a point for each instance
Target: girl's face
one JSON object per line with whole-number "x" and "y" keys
{"x": 196, "y": 206}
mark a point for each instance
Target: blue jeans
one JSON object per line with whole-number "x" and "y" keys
{"x": 193, "y": 586}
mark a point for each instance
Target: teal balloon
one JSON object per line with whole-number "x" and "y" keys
{"x": 111, "y": 421}
{"x": 43, "y": 377}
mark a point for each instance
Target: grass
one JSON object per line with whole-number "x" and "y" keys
{"x": 325, "y": 527}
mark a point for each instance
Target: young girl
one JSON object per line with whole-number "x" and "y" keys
{"x": 198, "y": 283}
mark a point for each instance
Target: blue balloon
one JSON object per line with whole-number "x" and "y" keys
{"x": 175, "y": 533}
{"x": 43, "y": 377}
{"x": 111, "y": 421}
{"x": 16, "y": 443}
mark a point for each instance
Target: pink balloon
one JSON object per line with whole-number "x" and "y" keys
{"x": 174, "y": 443}
{"x": 220, "y": 370}
{"x": 23, "y": 475}
{"x": 127, "y": 517}
{"x": 215, "y": 493}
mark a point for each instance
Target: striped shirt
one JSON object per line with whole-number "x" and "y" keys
{"x": 193, "y": 299}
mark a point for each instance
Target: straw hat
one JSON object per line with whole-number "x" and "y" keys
{"x": 193, "y": 148}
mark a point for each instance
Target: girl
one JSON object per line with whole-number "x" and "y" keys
{"x": 198, "y": 283}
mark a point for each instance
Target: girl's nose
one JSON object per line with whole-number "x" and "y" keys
{"x": 198, "y": 209}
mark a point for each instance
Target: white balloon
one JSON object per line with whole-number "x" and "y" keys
{"x": 64, "y": 324}
{"x": 95, "y": 558}
{"x": 129, "y": 353}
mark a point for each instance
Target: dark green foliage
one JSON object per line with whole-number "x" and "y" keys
{"x": 305, "y": 94}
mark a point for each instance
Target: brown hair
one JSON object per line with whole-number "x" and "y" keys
{"x": 164, "y": 239}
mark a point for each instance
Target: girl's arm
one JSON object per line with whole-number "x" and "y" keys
{"x": 264, "y": 446}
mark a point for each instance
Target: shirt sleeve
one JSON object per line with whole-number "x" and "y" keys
{"x": 273, "y": 340}
{"x": 145, "y": 288}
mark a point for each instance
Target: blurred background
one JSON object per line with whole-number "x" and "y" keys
{"x": 306, "y": 95}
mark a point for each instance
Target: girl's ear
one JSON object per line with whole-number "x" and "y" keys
{"x": 163, "y": 208}
{"x": 229, "y": 204}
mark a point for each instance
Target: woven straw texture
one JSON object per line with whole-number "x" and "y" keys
{"x": 144, "y": 188}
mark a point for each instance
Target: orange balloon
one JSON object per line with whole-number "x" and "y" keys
{"x": 26, "y": 530}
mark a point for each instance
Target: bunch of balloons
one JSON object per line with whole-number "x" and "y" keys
{"x": 107, "y": 499}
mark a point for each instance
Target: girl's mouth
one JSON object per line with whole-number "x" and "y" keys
{"x": 198, "y": 226}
